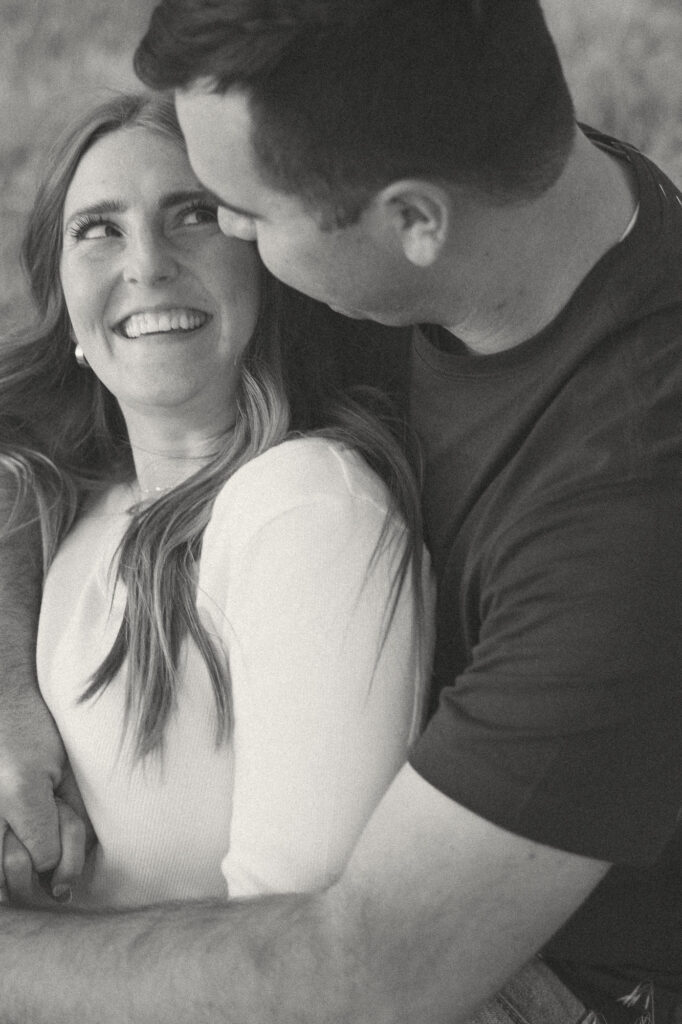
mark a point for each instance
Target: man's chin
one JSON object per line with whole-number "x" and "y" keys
{"x": 352, "y": 314}
{"x": 385, "y": 318}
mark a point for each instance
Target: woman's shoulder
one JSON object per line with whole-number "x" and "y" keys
{"x": 300, "y": 471}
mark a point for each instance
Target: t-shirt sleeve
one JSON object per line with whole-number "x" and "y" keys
{"x": 326, "y": 699}
{"x": 566, "y": 725}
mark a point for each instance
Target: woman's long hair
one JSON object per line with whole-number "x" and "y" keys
{"x": 64, "y": 439}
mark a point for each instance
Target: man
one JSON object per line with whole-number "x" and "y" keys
{"x": 417, "y": 161}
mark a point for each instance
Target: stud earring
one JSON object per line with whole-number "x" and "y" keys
{"x": 80, "y": 355}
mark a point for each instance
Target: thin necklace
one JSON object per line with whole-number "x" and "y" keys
{"x": 153, "y": 492}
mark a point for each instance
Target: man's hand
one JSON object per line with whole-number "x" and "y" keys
{"x": 25, "y": 882}
{"x": 29, "y": 889}
{"x": 32, "y": 763}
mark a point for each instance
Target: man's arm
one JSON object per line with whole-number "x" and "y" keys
{"x": 31, "y": 752}
{"x": 436, "y": 909}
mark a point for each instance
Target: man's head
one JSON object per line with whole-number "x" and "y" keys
{"x": 347, "y": 95}
{"x": 337, "y": 101}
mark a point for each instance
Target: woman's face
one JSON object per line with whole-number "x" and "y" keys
{"x": 162, "y": 303}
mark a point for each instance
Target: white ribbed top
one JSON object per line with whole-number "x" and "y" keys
{"x": 319, "y": 732}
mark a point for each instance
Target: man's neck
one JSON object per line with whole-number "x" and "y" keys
{"x": 538, "y": 253}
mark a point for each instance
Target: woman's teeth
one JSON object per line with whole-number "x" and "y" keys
{"x": 162, "y": 322}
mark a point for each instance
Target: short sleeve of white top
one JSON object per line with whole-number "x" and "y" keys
{"x": 295, "y": 592}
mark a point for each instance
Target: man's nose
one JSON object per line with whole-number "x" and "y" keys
{"x": 236, "y": 225}
{"x": 149, "y": 258}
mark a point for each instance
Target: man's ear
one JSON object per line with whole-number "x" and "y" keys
{"x": 418, "y": 212}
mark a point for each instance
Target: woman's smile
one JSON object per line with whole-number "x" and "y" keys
{"x": 162, "y": 321}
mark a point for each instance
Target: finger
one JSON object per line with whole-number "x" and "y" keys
{"x": 73, "y": 839}
{"x": 69, "y": 793}
{"x": 18, "y": 868}
{"x": 4, "y": 891}
{"x": 33, "y": 819}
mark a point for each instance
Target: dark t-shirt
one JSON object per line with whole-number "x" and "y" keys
{"x": 553, "y": 497}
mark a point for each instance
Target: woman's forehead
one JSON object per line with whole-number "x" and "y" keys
{"x": 127, "y": 163}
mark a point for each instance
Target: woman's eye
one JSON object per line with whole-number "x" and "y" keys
{"x": 200, "y": 215}
{"x": 93, "y": 229}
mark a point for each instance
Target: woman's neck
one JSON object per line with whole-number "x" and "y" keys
{"x": 167, "y": 451}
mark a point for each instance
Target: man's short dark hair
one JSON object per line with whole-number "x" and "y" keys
{"x": 349, "y": 95}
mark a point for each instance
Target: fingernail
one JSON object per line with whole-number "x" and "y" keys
{"x": 62, "y": 893}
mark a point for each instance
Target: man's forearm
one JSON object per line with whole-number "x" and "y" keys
{"x": 20, "y": 588}
{"x": 31, "y": 752}
{"x": 267, "y": 961}
{"x": 436, "y": 909}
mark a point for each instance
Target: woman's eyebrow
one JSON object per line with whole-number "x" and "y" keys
{"x": 187, "y": 195}
{"x": 98, "y": 209}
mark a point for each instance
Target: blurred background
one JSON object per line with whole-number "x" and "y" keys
{"x": 623, "y": 59}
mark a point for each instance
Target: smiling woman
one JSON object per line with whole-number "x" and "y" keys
{"x": 226, "y": 574}
{"x": 160, "y": 301}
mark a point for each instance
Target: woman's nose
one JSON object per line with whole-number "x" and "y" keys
{"x": 149, "y": 258}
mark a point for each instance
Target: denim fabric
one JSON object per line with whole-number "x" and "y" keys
{"x": 534, "y": 996}
{"x": 537, "y": 996}
{"x": 622, "y": 999}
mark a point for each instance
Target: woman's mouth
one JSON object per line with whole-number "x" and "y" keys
{"x": 161, "y": 321}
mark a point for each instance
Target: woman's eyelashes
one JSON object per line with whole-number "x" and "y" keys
{"x": 199, "y": 212}
{"x": 90, "y": 227}
{"x": 93, "y": 227}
